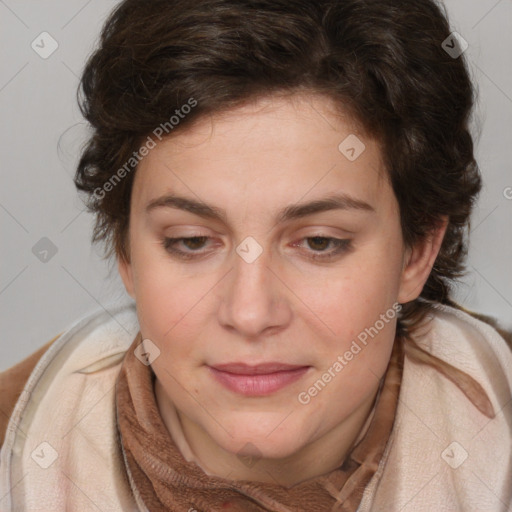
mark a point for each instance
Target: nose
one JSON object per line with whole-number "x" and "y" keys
{"x": 254, "y": 301}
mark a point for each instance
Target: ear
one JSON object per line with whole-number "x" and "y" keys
{"x": 126, "y": 272}
{"x": 418, "y": 263}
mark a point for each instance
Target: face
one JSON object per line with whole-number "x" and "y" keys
{"x": 261, "y": 252}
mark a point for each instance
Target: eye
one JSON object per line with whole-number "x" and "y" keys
{"x": 193, "y": 243}
{"x": 319, "y": 244}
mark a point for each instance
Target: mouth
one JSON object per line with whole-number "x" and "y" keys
{"x": 259, "y": 380}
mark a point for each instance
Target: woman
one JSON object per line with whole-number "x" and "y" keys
{"x": 286, "y": 187}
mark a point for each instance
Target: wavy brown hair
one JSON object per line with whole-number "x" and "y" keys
{"x": 381, "y": 61}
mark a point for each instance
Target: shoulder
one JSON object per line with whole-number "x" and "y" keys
{"x": 469, "y": 341}
{"x": 451, "y": 444}
{"x": 471, "y": 352}
{"x": 12, "y": 382}
{"x": 504, "y": 333}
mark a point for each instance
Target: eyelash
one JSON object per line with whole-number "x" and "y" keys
{"x": 342, "y": 246}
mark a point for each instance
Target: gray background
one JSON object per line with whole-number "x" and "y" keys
{"x": 41, "y": 135}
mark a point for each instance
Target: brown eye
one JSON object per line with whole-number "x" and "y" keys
{"x": 319, "y": 247}
{"x": 319, "y": 242}
{"x": 192, "y": 245}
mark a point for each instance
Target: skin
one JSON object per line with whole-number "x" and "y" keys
{"x": 285, "y": 306}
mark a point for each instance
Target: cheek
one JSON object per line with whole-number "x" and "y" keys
{"x": 161, "y": 296}
{"x": 353, "y": 298}
{"x": 171, "y": 304}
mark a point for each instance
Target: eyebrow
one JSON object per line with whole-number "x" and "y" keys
{"x": 294, "y": 211}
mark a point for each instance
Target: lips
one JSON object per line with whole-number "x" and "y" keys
{"x": 260, "y": 369}
{"x": 258, "y": 380}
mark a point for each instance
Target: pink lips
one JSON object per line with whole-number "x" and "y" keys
{"x": 259, "y": 380}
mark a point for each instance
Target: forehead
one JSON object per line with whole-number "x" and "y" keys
{"x": 267, "y": 152}
{"x": 268, "y": 119}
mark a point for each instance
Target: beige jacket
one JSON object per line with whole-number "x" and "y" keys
{"x": 444, "y": 455}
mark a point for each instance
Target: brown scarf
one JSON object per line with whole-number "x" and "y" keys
{"x": 166, "y": 481}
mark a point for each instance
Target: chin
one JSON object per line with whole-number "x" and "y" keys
{"x": 257, "y": 441}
